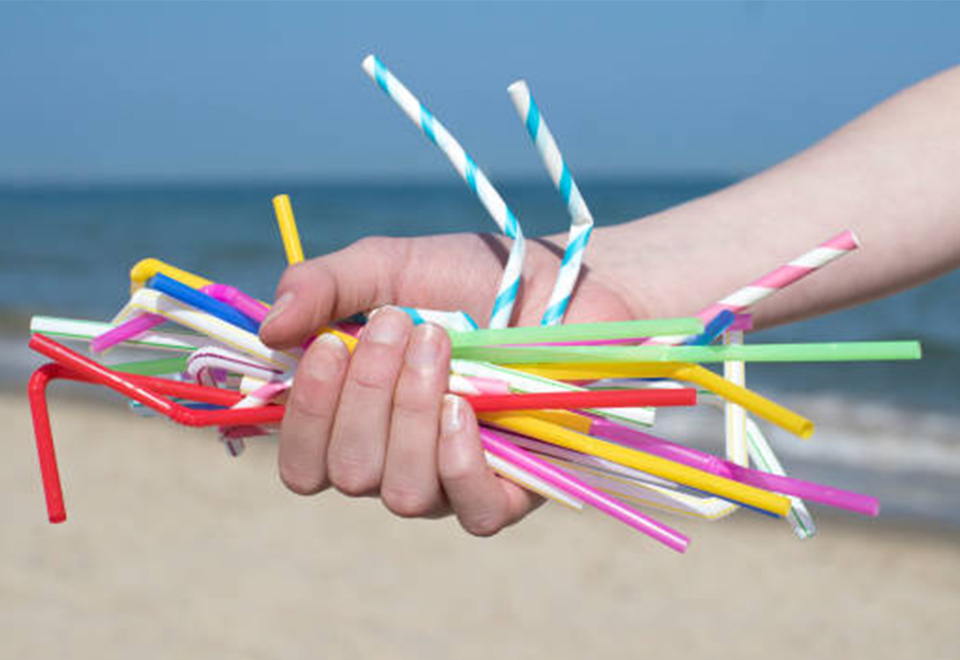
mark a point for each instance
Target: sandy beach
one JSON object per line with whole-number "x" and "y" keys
{"x": 172, "y": 549}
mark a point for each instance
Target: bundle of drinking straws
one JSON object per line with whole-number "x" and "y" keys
{"x": 565, "y": 409}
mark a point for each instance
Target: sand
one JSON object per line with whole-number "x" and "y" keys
{"x": 173, "y": 550}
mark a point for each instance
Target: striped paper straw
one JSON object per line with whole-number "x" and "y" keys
{"x": 738, "y": 301}
{"x": 469, "y": 172}
{"x": 581, "y": 219}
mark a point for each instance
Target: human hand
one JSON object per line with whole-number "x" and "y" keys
{"x": 377, "y": 423}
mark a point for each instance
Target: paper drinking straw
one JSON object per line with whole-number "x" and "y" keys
{"x": 588, "y": 399}
{"x": 498, "y": 445}
{"x": 827, "y": 252}
{"x": 522, "y": 382}
{"x": 575, "y": 332}
{"x": 469, "y": 172}
{"x": 704, "y": 481}
{"x": 691, "y": 373}
{"x": 83, "y": 330}
{"x": 150, "y": 300}
{"x": 455, "y": 321}
{"x": 581, "y": 220}
{"x": 620, "y": 360}
{"x": 288, "y": 229}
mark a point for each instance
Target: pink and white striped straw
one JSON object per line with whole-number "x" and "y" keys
{"x": 742, "y": 299}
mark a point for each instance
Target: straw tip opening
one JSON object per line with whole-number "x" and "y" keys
{"x": 517, "y": 86}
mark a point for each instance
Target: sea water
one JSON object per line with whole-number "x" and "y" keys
{"x": 889, "y": 428}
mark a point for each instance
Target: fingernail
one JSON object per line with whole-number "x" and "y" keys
{"x": 451, "y": 418}
{"x": 324, "y": 360}
{"x": 387, "y": 326}
{"x": 424, "y": 348}
{"x": 276, "y": 310}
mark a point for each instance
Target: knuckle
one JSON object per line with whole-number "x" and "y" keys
{"x": 484, "y": 525}
{"x": 301, "y": 481}
{"x": 352, "y": 477}
{"x": 407, "y": 502}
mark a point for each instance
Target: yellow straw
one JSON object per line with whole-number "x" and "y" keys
{"x": 291, "y": 244}
{"x": 147, "y": 268}
{"x": 555, "y": 434}
{"x": 758, "y": 405}
{"x": 288, "y": 229}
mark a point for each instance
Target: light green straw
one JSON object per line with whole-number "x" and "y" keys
{"x": 158, "y": 367}
{"x": 577, "y": 332}
{"x": 854, "y": 351}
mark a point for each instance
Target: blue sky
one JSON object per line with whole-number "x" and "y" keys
{"x": 193, "y": 92}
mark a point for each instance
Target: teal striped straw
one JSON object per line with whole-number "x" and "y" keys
{"x": 581, "y": 224}
{"x": 469, "y": 172}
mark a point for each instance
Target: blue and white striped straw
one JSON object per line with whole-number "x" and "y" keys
{"x": 581, "y": 219}
{"x": 475, "y": 178}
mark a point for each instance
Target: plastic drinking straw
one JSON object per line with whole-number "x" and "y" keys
{"x": 126, "y": 331}
{"x": 159, "y": 367}
{"x": 212, "y": 357}
{"x": 292, "y": 246}
{"x": 200, "y": 300}
{"x": 576, "y": 332}
{"x": 150, "y": 300}
{"x": 455, "y": 321}
{"x": 527, "y": 424}
{"x": 735, "y": 417}
{"x": 247, "y": 305}
{"x": 83, "y": 330}
{"x": 581, "y": 220}
{"x": 619, "y": 361}
{"x": 288, "y": 229}
{"x": 148, "y": 390}
{"x": 755, "y": 403}
{"x": 144, "y": 269}
{"x": 714, "y": 329}
{"x": 469, "y": 172}
{"x": 782, "y": 484}
{"x": 840, "y": 245}
{"x": 522, "y": 382}
{"x": 525, "y": 479}
{"x": 743, "y": 322}
{"x": 588, "y": 399}
{"x": 762, "y": 455}
{"x": 599, "y": 466}
{"x": 657, "y": 530}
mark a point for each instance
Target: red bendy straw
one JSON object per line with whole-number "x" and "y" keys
{"x": 583, "y": 399}
{"x": 145, "y": 389}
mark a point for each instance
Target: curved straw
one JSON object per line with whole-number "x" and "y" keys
{"x": 581, "y": 220}
{"x": 474, "y": 177}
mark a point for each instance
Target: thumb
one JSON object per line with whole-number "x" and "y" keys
{"x": 316, "y": 292}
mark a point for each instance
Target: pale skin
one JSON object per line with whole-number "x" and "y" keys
{"x": 378, "y": 423}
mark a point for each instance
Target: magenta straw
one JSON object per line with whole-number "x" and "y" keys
{"x": 835, "y": 497}
{"x": 127, "y": 330}
{"x": 237, "y": 299}
{"x": 505, "y": 449}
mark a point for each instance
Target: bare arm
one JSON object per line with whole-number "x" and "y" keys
{"x": 892, "y": 175}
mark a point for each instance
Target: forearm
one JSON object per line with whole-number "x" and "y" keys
{"x": 892, "y": 176}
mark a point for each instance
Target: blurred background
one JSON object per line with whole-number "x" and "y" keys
{"x": 143, "y": 129}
